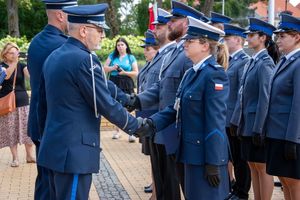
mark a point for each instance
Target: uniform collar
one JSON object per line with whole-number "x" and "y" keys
{"x": 166, "y": 46}
{"x": 54, "y": 29}
{"x": 198, "y": 65}
{"x": 236, "y": 52}
{"x": 258, "y": 53}
{"x": 289, "y": 55}
{"x": 180, "y": 43}
{"x": 76, "y": 42}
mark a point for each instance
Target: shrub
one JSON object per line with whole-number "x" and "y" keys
{"x": 22, "y": 42}
{"x": 108, "y": 45}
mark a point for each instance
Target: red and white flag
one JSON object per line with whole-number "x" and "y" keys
{"x": 151, "y": 17}
{"x": 218, "y": 86}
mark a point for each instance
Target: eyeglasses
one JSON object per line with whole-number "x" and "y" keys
{"x": 100, "y": 30}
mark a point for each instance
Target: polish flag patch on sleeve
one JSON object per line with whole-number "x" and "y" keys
{"x": 218, "y": 86}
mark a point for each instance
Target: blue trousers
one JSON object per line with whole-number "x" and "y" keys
{"x": 64, "y": 186}
{"x": 41, "y": 190}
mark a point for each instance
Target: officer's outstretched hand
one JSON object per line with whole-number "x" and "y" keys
{"x": 145, "y": 128}
{"x": 290, "y": 150}
{"x": 258, "y": 139}
{"x": 212, "y": 174}
{"x": 233, "y": 130}
{"x": 133, "y": 102}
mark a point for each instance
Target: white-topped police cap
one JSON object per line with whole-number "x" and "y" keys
{"x": 219, "y": 18}
{"x": 162, "y": 17}
{"x": 288, "y": 23}
{"x": 258, "y": 25}
{"x": 230, "y": 29}
{"x": 200, "y": 29}
{"x": 88, "y": 14}
{"x": 59, "y": 4}
{"x": 180, "y": 9}
{"x": 149, "y": 40}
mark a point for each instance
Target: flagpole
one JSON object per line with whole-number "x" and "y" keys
{"x": 223, "y": 7}
{"x": 271, "y": 11}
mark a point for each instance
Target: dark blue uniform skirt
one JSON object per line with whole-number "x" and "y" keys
{"x": 252, "y": 153}
{"x": 276, "y": 163}
{"x": 197, "y": 187}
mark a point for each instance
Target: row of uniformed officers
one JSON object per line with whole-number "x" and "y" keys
{"x": 252, "y": 103}
{"x": 187, "y": 99}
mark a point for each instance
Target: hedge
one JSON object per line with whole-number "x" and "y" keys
{"x": 107, "y": 45}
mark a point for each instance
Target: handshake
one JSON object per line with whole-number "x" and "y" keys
{"x": 133, "y": 102}
{"x": 146, "y": 128}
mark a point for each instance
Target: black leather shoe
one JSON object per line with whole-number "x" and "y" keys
{"x": 148, "y": 190}
{"x": 277, "y": 184}
{"x": 233, "y": 196}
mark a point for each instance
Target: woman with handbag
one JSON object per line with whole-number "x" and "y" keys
{"x": 122, "y": 68}
{"x": 13, "y": 123}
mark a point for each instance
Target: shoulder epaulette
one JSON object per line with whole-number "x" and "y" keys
{"x": 244, "y": 57}
{"x": 265, "y": 57}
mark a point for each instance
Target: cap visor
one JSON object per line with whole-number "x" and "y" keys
{"x": 158, "y": 23}
{"x": 282, "y": 31}
{"x": 168, "y": 16}
{"x": 187, "y": 37}
{"x": 248, "y": 32}
{"x": 101, "y": 25}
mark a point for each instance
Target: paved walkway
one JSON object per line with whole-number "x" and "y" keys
{"x": 123, "y": 174}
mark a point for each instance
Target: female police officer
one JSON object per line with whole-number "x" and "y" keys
{"x": 282, "y": 122}
{"x": 253, "y": 97}
{"x": 200, "y": 113}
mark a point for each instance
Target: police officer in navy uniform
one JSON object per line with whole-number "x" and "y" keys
{"x": 218, "y": 20}
{"x": 153, "y": 75}
{"x": 76, "y": 95}
{"x": 164, "y": 92}
{"x": 145, "y": 77}
{"x": 50, "y": 38}
{"x": 250, "y": 112}
{"x": 282, "y": 122}
{"x": 235, "y": 39}
{"x": 200, "y": 115}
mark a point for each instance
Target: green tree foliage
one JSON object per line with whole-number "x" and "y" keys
{"x": 32, "y": 17}
{"x": 143, "y": 19}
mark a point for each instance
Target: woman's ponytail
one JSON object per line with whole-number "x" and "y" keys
{"x": 272, "y": 48}
{"x": 222, "y": 55}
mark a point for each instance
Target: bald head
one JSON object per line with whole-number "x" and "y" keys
{"x": 57, "y": 18}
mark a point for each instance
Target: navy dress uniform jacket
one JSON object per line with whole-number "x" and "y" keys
{"x": 284, "y": 111}
{"x": 148, "y": 76}
{"x": 71, "y": 141}
{"x": 164, "y": 92}
{"x": 202, "y": 116}
{"x": 40, "y": 48}
{"x": 235, "y": 72}
{"x": 250, "y": 113}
